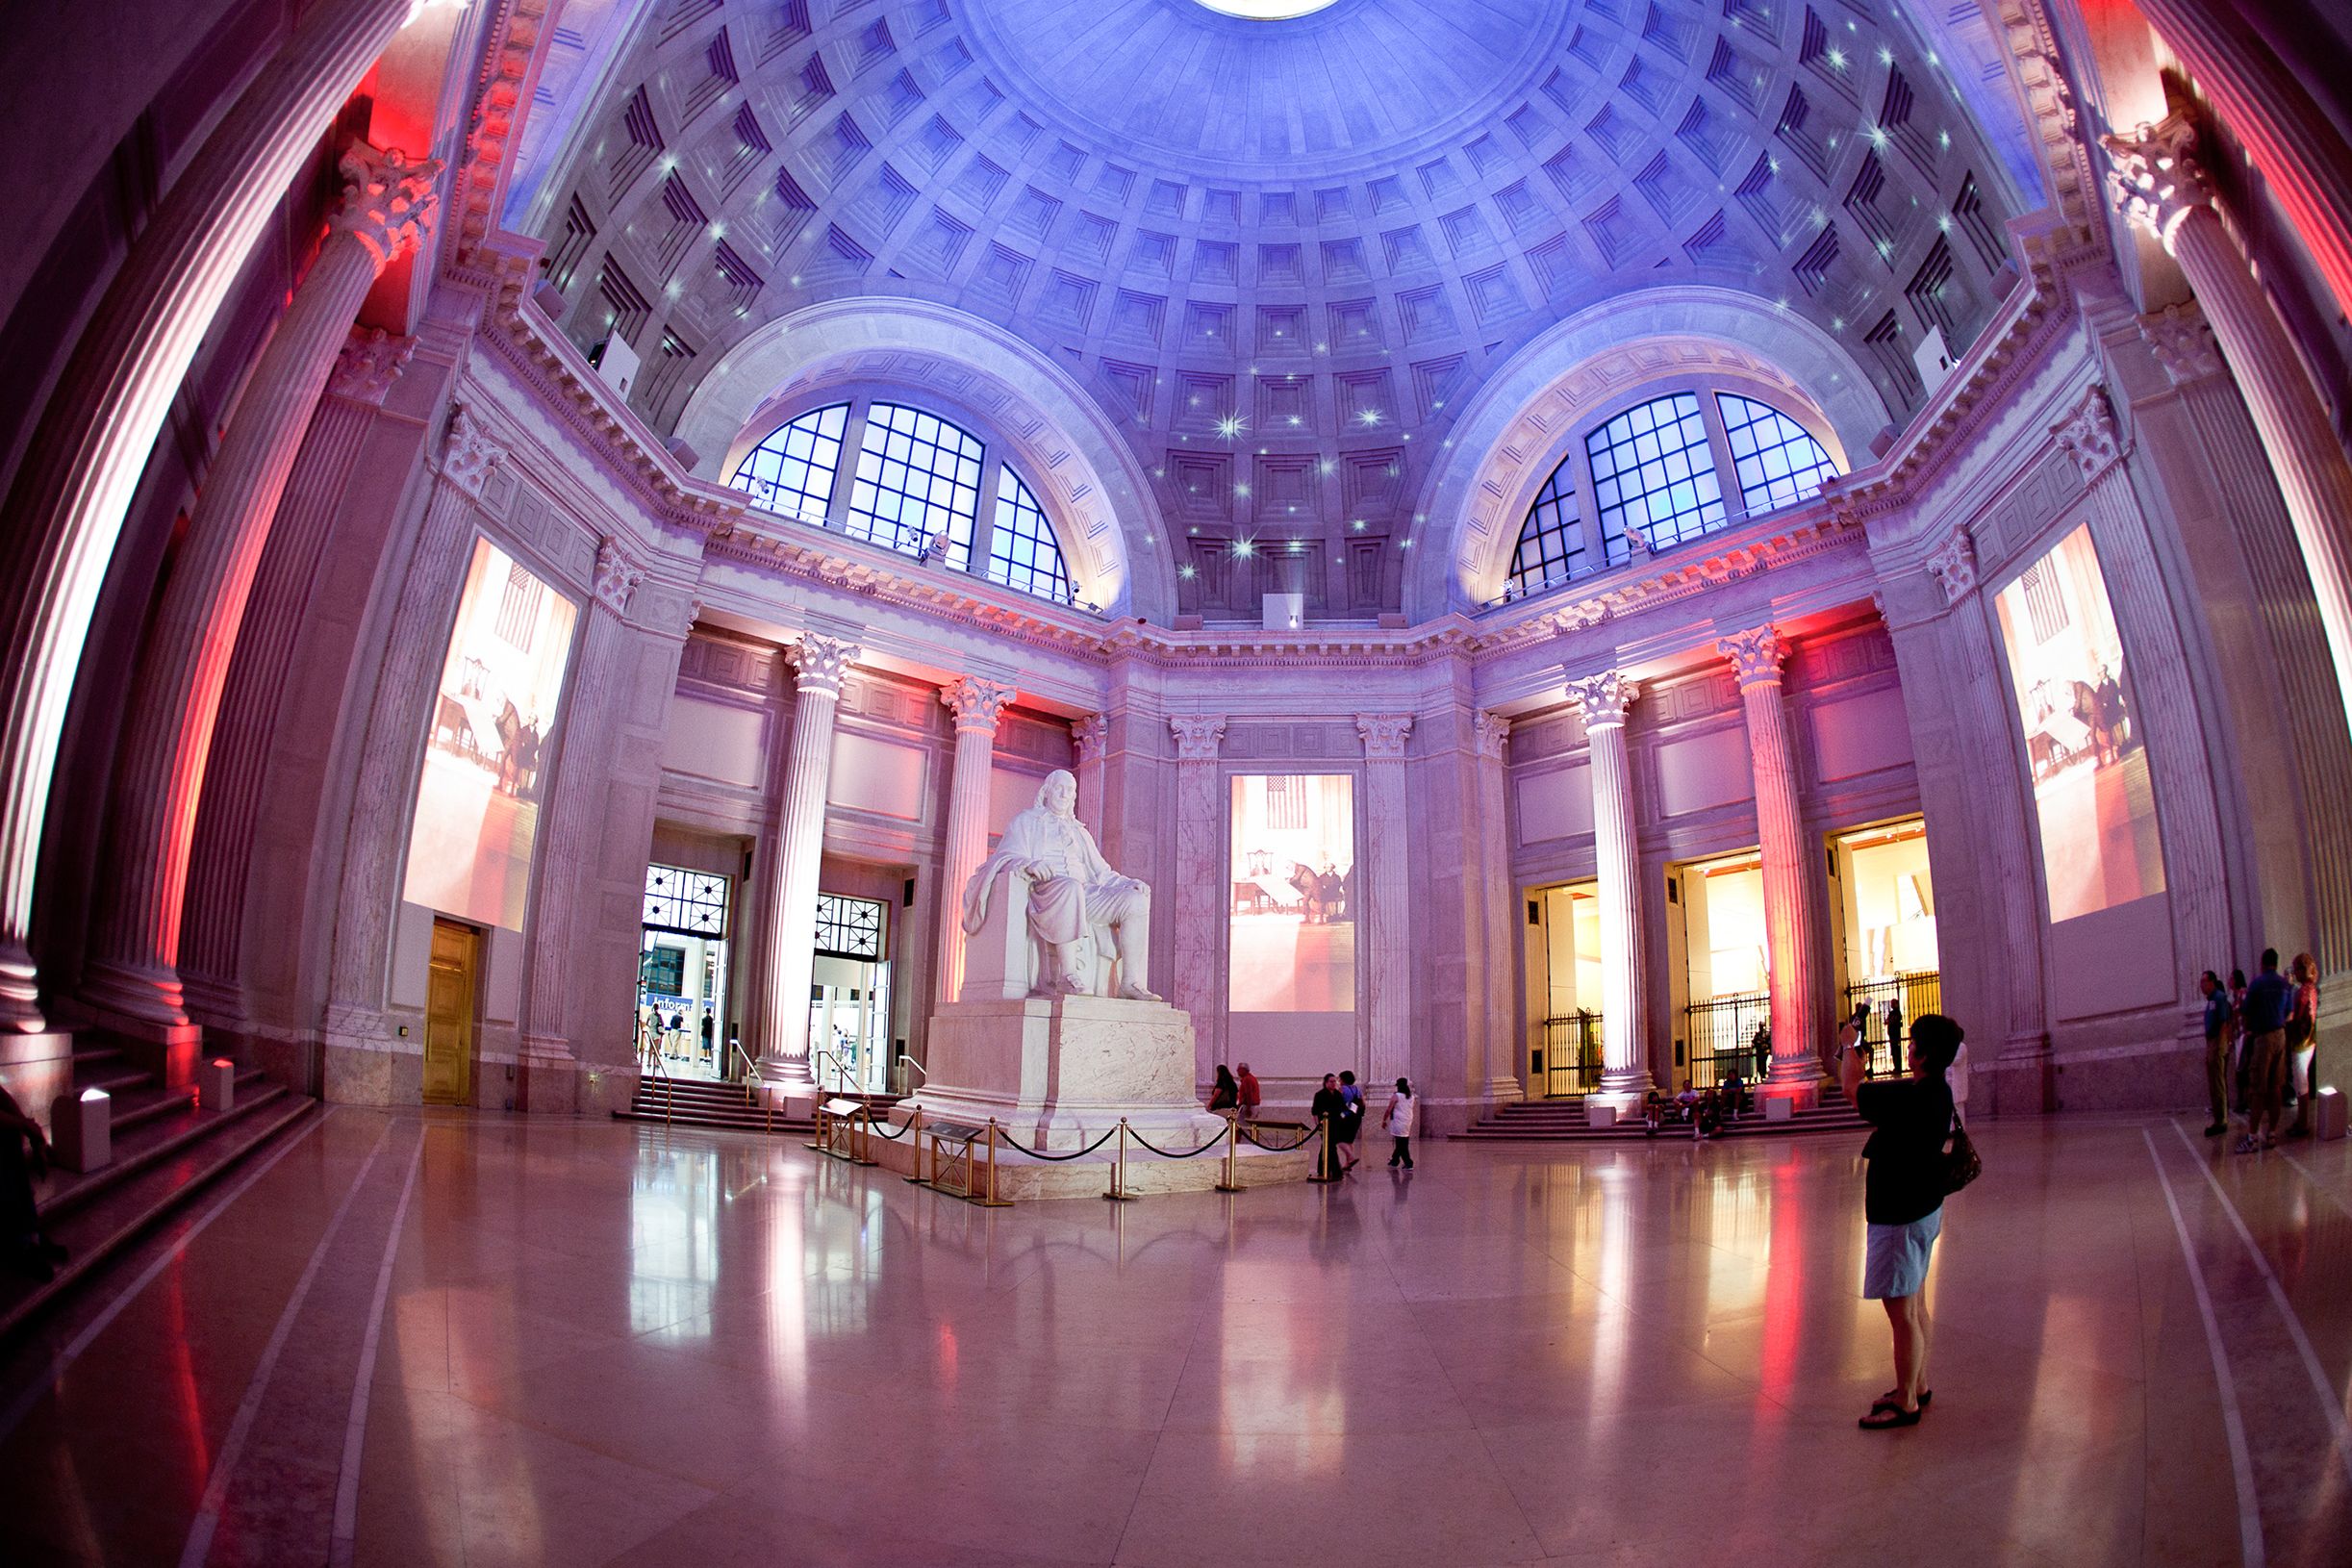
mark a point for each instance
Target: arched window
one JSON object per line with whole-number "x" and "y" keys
{"x": 1654, "y": 474}
{"x": 791, "y": 472}
{"x": 1550, "y": 544}
{"x": 1778, "y": 461}
{"x": 915, "y": 488}
{"x": 1021, "y": 549}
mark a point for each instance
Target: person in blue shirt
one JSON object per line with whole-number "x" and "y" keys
{"x": 2269, "y": 999}
{"x": 2217, "y": 1050}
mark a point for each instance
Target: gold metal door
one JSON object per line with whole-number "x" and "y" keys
{"x": 448, "y": 1022}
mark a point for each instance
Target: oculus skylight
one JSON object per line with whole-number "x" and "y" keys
{"x": 1267, "y": 10}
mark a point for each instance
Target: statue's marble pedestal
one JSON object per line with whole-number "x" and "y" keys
{"x": 1055, "y": 1074}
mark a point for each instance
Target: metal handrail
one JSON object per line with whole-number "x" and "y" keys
{"x": 751, "y": 1070}
{"x": 649, "y": 1059}
{"x": 819, "y": 1053}
{"x": 916, "y": 1064}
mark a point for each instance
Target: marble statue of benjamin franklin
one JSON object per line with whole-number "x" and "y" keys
{"x": 1074, "y": 893}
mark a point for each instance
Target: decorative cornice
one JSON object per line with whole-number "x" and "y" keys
{"x": 2154, "y": 177}
{"x": 2091, "y": 436}
{"x": 822, "y": 664}
{"x": 1383, "y": 733}
{"x": 1604, "y": 697}
{"x": 617, "y": 576}
{"x": 1091, "y": 734}
{"x": 1953, "y": 565}
{"x": 468, "y": 453}
{"x": 1490, "y": 733}
{"x": 2183, "y": 342}
{"x": 502, "y": 88}
{"x": 1195, "y": 735}
{"x": 388, "y": 202}
{"x": 367, "y": 364}
{"x": 1757, "y": 655}
{"x": 977, "y": 704}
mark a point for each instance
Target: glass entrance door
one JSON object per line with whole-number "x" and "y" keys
{"x": 682, "y": 972}
{"x": 848, "y": 1030}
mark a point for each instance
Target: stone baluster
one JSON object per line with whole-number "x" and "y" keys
{"x": 2159, "y": 183}
{"x": 1385, "y": 923}
{"x": 1500, "y": 913}
{"x": 1091, "y": 738}
{"x": 1792, "y": 968}
{"x": 823, "y": 663}
{"x": 977, "y": 705}
{"x": 1201, "y": 868}
{"x": 133, "y": 978}
{"x": 1625, "y": 996}
{"x": 65, "y": 510}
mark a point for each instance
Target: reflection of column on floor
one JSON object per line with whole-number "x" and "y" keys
{"x": 1757, "y": 656}
{"x": 1624, "y": 1004}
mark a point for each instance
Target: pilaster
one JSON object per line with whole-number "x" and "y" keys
{"x": 1386, "y": 954}
{"x": 1197, "y": 983}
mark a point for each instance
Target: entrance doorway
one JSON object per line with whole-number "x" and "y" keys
{"x": 1886, "y": 910}
{"x": 1564, "y": 990}
{"x": 1725, "y": 969}
{"x": 682, "y": 970}
{"x": 450, "y": 988}
{"x": 849, "y": 1025}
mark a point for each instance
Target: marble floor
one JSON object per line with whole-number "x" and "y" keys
{"x": 417, "y": 1339}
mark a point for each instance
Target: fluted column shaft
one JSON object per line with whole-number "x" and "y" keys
{"x": 2159, "y": 185}
{"x": 824, "y": 663}
{"x": 1499, "y": 912}
{"x": 183, "y": 662}
{"x": 1625, "y": 996}
{"x": 65, "y": 511}
{"x": 1387, "y": 955}
{"x": 1792, "y": 960}
{"x": 1199, "y": 877}
{"x": 977, "y": 706}
{"x": 1091, "y": 737}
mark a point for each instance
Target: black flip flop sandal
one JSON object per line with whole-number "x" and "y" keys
{"x": 1894, "y": 1401}
{"x": 1888, "y": 1417}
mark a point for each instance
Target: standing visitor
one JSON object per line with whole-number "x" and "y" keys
{"x": 2237, "y": 1039}
{"x": 2269, "y": 999}
{"x": 1894, "y": 1035}
{"x": 1398, "y": 1119}
{"x": 1351, "y": 1118}
{"x": 1329, "y": 1106}
{"x": 1227, "y": 1095}
{"x": 705, "y": 1025}
{"x": 1902, "y": 1197}
{"x": 1761, "y": 1048}
{"x": 1248, "y": 1094}
{"x": 2303, "y": 1040}
{"x": 2217, "y": 1050}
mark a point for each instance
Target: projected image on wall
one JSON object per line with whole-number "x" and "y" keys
{"x": 1294, "y": 902}
{"x": 2082, "y": 740}
{"x": 478, "y": 801}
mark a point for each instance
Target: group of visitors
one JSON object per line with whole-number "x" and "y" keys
{"x": 2260, "y": 1049}
{"x": 1705, "y": 1111}
{"x": 1339, "y": 1105}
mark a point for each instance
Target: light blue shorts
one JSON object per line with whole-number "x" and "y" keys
{"x": 1895, "y": 1258}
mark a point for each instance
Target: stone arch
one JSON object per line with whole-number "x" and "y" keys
{"x": 1510, "y": 439}
{"x": 1063, "y": 445}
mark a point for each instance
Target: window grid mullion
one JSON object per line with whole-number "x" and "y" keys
{"x": 853, "y": 442}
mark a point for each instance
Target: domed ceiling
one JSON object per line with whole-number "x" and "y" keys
{"x": 1280, "y": 255}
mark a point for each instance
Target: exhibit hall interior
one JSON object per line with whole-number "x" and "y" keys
{"x": 1173, "y": 781}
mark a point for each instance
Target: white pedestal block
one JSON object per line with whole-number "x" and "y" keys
{"x": 216, "y": 1085}
{"x": 81, "y": 1130}
{"x": 1598, "y": 1115}
{"x": 1779, "y": 1108}
{"x": 1057, "y": 1072}
{"x": 2328, "y": 1113}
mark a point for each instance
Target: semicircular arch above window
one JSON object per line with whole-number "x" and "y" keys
{"x": 916, "y": 485}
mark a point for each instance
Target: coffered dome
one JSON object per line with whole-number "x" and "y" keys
{"x": 1279, "y": 256}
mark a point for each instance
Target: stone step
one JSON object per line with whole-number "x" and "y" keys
{"x": 729, "y": 1122}
{"x": 95, "y": 1219}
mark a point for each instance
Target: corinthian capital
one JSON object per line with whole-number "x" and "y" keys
{"x": 470, "y": 453}
{"x": 1604, "y": 697}
{"x": 1383, "y": 733}
{"x": 1196, "y": 735}
{"x": 1489, "y": 731}
{"x": 977, "y": 704}
{"x": 388, "y": 202}
{"x": 822, "y": 663}
{"x": 1092, "y": 736}
{"x": 369, "y": 362}
{"x": 2156, "y": 180}
{"x": 1953, "y": 565}
{"x": 617, "y": 576}
{"x": 2090, "y": 435}
{"x": 1757, "y": 655}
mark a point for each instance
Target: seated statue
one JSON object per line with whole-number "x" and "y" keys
{"x": 1073, "y": 895}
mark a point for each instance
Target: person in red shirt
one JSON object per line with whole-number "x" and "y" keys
{"x": 1248, "y": 1094}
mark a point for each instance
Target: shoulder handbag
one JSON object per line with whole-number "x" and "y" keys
{"x": 1963, "y": 1164}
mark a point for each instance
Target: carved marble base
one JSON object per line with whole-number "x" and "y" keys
{"x": 1020, "y": 1180}
{"x": 1059, "y": 1073}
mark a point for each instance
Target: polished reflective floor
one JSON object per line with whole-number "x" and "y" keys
{"x": 415, "y": 1339}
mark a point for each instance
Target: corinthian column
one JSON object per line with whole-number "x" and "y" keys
{"x": 1200, "y": 883}
{"x": 1498, "y": 915}
{"x": 1624, "y": 994}
{"x": 65, "y": 511}
{"x": 790, "y": 930}
{"x": 1790, "y": 961}
{"x": 133, "y": 980}
{"x": 1387, "y": 953}
{"x": 2159, "y": 185}
{"x": 977, "y": 704}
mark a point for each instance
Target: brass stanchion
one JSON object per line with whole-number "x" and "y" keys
{"x": 992, "y": 1200}
{"x": 818, "y": 1142}
{"x": 1119, "y": 1168}
{"x": 1322, "y": 1128}
{"x": 914, "y": 1133}
{"x": 1232, "y": 1155}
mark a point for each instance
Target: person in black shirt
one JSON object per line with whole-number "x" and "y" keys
{"x": 1329, "y": 1106}
{"x": 1903, "y": 1198}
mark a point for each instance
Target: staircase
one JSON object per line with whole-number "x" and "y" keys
{"x": 165, "y": 1151}
{"x": 1562, "y": 1120}
{"x": 701, "y": 1102}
